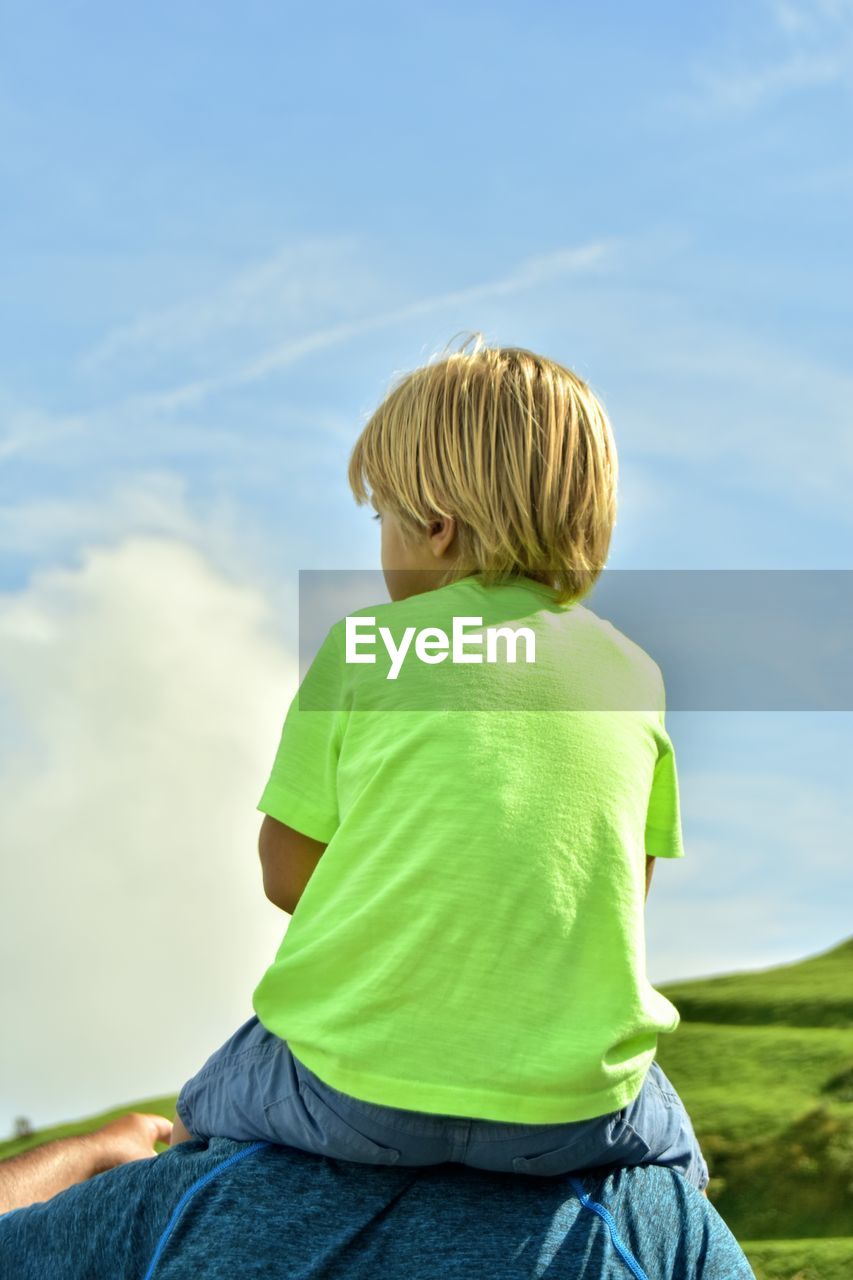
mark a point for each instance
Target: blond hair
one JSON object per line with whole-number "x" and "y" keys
{"x": 511, "y": 444}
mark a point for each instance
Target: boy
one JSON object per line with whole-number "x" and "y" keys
{"x": 466, "y": 851}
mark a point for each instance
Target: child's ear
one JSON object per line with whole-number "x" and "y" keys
{"x": 442, "y": 532}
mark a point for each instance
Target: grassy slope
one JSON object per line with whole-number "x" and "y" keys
{"x": 764, "y": 1063}
{"x": 817, "y": 992}
{"x": 802, "y": 1259}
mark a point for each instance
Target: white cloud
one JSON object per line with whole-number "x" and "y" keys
{"x": 104, "y": 511}
{"x": 143, "y": 694}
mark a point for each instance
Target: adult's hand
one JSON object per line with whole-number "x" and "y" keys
{"x": 131, "y": 1137}
{"x": 46, "y": 1170}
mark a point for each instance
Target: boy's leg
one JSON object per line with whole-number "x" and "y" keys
{"x": 252, "y": 1088}
{"x": 180, "y": 1133}
{"x": 226, "y": 1097}
{"x": 659, "y": 1118}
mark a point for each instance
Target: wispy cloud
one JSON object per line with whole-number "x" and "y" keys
{"x": 764, "y": 411}
{"x": 806, "y": 45}
{"x": 809, "y": 17}
{"x": 531, "y": 272}
{"x": 26, "y": 432}
{"x": 731, "y": 395}
{"x": 745, "y": 88}
{"x": 287, "y": 290}
{"x": 299, "y": 283}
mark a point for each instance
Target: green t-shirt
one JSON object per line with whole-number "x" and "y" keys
{"x": 471, "y": 941}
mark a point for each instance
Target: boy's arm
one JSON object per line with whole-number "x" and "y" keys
{"x": 288, "y": 859}
{"x": 650, "y": 868}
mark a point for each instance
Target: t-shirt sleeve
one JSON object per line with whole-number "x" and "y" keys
{"x": 663, "y": 818}
{"x": 302, "y": 788}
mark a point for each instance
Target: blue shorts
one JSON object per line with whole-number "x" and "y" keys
{"x": 254, "y": 1088}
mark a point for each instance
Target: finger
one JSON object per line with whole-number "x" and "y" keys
{"x": 160, "y": 1128}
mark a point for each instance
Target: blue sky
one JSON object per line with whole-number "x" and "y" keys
{"x": 225, "y": 229}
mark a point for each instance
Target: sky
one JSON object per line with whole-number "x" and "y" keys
{"x": 225, "y": 230}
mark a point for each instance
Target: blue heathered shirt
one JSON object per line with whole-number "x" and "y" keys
{"x": 225, "y": 1209}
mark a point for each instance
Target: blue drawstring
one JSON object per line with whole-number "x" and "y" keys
{"x": 624, "y": 1252}
{"x": 188, "y": 1195}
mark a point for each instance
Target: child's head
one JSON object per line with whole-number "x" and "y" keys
{"x": 494, "y": 461}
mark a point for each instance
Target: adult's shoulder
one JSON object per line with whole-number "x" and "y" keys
{"x": 105, "y": 1226}
{"x": 661, "y": 1219}
{"x": 221, "y": 1209}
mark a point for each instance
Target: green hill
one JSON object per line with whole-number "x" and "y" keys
{"x": 817, "y": 992}
{"x": 764, "y": 1063}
